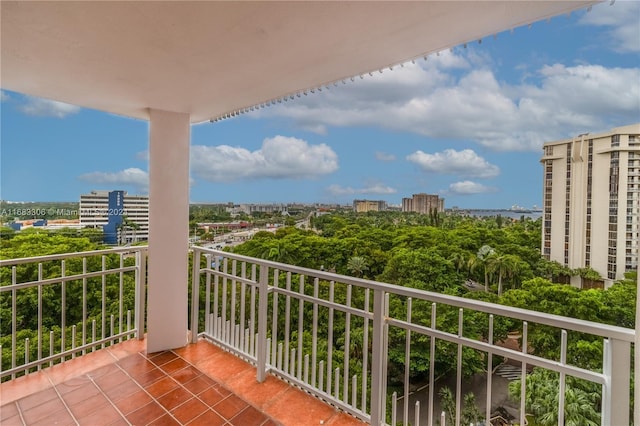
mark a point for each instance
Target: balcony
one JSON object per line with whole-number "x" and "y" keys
{"x": 270, "y": 343}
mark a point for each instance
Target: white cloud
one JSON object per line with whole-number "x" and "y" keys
{"x": 371, "y": 189}
{"x": 623, "y": 21}
{"x": 280, "y": 157}
{"x": 383, "y": 156}
{"x": 142, "y": 155}
{"x": 3, "y": 96}
{"x": 468, "y": 103}
{"x": 47, "y": 108}
{"x": 468, "y": 187}
{"x": 450, "y": 161}
{"x": 132, "y": 176}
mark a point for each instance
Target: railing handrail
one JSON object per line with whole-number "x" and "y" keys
{"x": 60, "y": 256}
{"x": 558, "y": 321}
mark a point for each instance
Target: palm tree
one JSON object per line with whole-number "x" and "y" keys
{"x": 357, "y": 265}
{"x": 503, "y": 265}
{"x": 482, "y": 258}
{"x": 459, "y": 260}
{"x": 276, "y": 252}
{"x": 542, "y": 396}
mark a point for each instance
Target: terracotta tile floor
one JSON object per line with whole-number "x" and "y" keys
{"x": 199, "y": 384}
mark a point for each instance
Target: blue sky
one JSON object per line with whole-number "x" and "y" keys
{"x": 467, "y": 124}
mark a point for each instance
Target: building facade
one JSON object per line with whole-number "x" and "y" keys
{"x": 423, "y": 203}
{"x": 124, "y": 218}
{"x": 591, "y": 202}
{"x": 363, "y": 206}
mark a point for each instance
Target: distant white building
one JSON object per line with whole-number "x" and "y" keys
{"x": 124, "y": 218}
{"x": 592, "y": 202}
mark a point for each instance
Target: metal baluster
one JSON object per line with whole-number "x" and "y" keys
{"x": 252, "y": 315}
{"x": 432, "y": 363}
{"x": 489, "y": 370}
{"x": 563, "y": 361}
{"x": 347, "y": 347}
{"x": 84, "y": 304}
{"x": 274, "y": 321}
{"x": 287, "y": 317}
{"x": 207, "y": 295}
{"x": 365, "y": 352}
{"x": 314, "y": 334}
{"x": 40, "y": 342}
{"x": 330, "y": 339}
{"x": 459, "y": 369}
{"x": 27, "y": 349}
{"x": 232, "y": 315}
{"x": 223, "y": 307}
{"x": 407, "y": 360}
{"x": 121, "y": 296}
{"x": 104, "y": 300}
{"x": 243, "y": 294}
{"x": 394, "y": 408}
{"x": 63, "y": 312}
{"x": 523, "y": 376}
{"x": 300, "y": 325}
{"x": 14, "y": 321}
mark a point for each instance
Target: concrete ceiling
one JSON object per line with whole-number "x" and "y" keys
{"x": 211, "y": 58}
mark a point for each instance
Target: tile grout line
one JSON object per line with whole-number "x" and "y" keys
{"x": 109, "y": 399}
{"x": 227, "y": 420}
{"x": 55, "y": 389}
{"x": 153, "y": 398}
{"x": 231, "y": 392}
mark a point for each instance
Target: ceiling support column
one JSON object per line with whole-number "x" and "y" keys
{"x": 167, "y": 284}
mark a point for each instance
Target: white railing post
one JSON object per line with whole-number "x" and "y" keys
{"x": 262, "y": 324}
{"x": 377, "y": 356}
{"x": 195, "y": 294}
{"x": 141, "y": 284}
{"x": 615, "y": 391}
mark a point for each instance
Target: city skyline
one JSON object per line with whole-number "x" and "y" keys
{"x": 467, "y": 124}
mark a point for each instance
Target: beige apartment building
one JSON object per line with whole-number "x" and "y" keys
{"x": 363, "y": 206}
{"x": 423, "y": 203}
{"x": 592, "y": 202}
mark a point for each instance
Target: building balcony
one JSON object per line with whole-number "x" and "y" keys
{"x": 271, "y": 343}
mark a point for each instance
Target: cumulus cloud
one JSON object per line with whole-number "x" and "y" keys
{"x": 132, "y": 176}
{"x": 621, "y": 20}
{"x": 468, "y": 187}
{"x": 371, "y": 189}
{"x": 450, "y": 161}
{"x": 47, "y": 108}
{"x": 467, "y": 102}
{"x": 279, "y": 157}
{"x": 383, "y": 156}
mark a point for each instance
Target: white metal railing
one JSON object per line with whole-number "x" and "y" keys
{"x": 330, "y": 335}
{"x": 75, "y": 302}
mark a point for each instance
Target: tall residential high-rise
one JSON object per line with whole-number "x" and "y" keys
{"x": 363, "y": 206}
{"x": 108, "y": 210}
{"x": 423, "y": 203}
{"x": 591, "y": 202}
